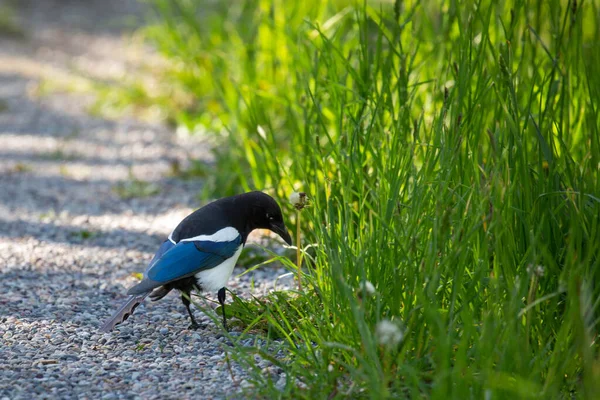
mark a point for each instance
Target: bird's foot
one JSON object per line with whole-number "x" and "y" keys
{"x": 195, "y": 326}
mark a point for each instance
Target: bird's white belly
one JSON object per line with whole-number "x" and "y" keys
{"x": 215, "y": 278}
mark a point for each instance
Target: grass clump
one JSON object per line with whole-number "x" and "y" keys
{"x": 10, "y": 25}
{"x": 451, "y": 154}
{"x": 135, "y": 188}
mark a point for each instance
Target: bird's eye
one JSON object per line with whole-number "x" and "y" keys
{"x": 270, "y": 217}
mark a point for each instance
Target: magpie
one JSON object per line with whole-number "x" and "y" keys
{"x": 201, "y": 252}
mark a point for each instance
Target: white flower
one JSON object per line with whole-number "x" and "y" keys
{"x": 367, "y": 288}
{"x": 330, "y": 368}
{"x": 388, "y": 333}
{"x": 537, "y": 270}
{"x": 298, "y": 199}
{"x": 295, "y": 198}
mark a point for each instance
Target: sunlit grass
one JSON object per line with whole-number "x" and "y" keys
{"x": 451, "y": 155}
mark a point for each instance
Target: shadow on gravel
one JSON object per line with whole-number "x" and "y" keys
{"x": 80, "y": 235}
{"x": 67, "y": 158}
{"x": 33, "y": 294}
{"x": 46, "y": 196}
{"x": 90, "y": 16}
{"x": 80, "y": 298}
{"x": 22, "y": 114}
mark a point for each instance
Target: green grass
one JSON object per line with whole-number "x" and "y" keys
{"x": 448, "y": 151}
{"x": 10, "y": 25}
{"x": 83, "y": 234}
{"x": 135, "y": 188}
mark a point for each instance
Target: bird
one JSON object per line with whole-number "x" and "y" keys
{"x": 201, "y": 252}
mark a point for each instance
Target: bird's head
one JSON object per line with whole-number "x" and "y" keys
{"x": 265, "y": 213}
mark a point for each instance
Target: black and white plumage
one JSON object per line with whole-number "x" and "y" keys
{"x": 202, "y": 251}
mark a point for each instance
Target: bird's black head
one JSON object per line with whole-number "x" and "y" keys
{"x": 263, "y": 212}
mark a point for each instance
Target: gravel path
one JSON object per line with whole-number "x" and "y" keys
{"x": 69, "y": 245}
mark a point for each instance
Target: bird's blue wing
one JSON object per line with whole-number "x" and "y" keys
{"x": 185, "y": 259}
{"x": 166, "y": 246}
{"x": 188, "y": 258}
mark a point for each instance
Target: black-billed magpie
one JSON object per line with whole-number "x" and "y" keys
{"x": 201, "y": 252}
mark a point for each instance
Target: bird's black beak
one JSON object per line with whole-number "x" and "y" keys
{"x": 280, "y": 229}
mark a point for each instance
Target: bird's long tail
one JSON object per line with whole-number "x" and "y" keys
{"x": 124, "y": 312}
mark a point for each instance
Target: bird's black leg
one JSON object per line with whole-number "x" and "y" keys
{"x": 186, "y": 302}
{"x": 221, "y": 295}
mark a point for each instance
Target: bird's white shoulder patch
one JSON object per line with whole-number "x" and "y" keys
{"x": 228, "y": 234}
